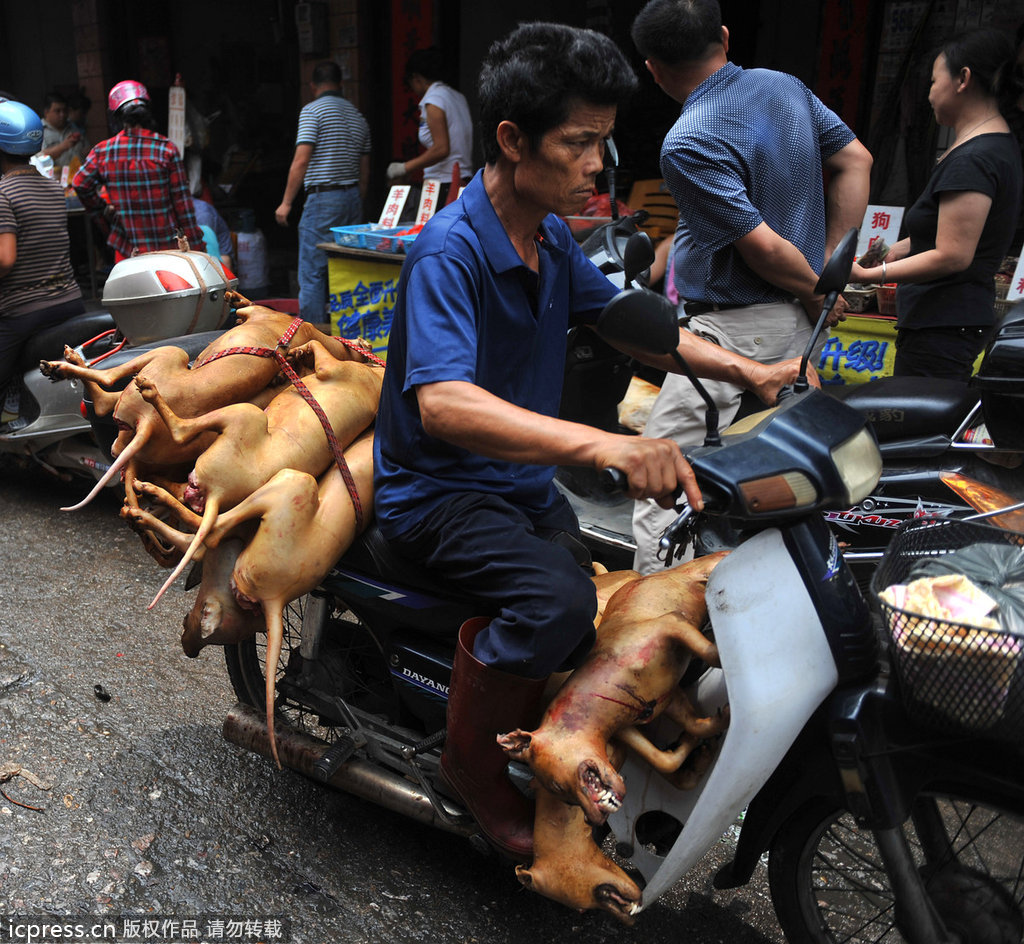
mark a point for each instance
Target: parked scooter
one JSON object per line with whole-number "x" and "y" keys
{"x": 867, "y": 809}
{"x": 147, "y": 300}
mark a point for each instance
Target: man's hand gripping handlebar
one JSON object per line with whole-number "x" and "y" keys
{"x": 677, "y": 536}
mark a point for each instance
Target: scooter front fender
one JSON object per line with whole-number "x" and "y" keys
{"x": 777, "y": 667}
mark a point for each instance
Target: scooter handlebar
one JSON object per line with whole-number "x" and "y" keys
{"x": 612, "y": 480}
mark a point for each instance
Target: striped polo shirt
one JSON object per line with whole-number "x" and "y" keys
{"x": 339, "y": 135}
{"x": 33, "y": 208}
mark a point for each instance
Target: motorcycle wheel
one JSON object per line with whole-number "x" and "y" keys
{"x": 828, "y": 883}
{"x": 351, "y": 666}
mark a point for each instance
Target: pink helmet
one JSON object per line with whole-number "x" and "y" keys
{"x": 128, "y": 92}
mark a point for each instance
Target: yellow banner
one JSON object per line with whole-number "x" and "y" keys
{"x": 362, "y": 299}
{"x": 860, "y": 349}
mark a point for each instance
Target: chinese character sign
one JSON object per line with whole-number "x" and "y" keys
{"x": 1016, "y": 289}
{"x": 394, "y": 205}
{"x": 361, "y": 301}
{"x": 176, "y": 117}
{"x": 428, "y": 200}
{"x": 880, "y": 222}
{"x": 859, "y": 349}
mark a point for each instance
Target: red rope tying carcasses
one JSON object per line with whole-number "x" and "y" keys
{"x": 332, "y": 440}
{"x": 278, "y": 354}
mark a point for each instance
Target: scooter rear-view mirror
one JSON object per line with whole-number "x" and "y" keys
{"x": 645, "y": 321}
{"x": 637, "y": 256}
{"x": 640, "y": 320}
{"x": 831, "y": 282}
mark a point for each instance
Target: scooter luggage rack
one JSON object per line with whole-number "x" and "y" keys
{"x": 954, "y": 677}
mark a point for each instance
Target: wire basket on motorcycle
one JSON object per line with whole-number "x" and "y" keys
{"x": 951, "y": 594}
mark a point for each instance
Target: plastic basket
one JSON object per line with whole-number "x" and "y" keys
{"x": 385, "y": 240}
{"x": 886, "y": 298}
{"x": 953, "y": 677}
{"x": 352, "y": 236}
{"x": 369, "y": 236}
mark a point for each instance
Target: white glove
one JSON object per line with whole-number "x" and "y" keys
{"x": 396, "y": 169}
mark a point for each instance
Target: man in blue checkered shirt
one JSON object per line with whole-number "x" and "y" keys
{"x": 745, "y": 163}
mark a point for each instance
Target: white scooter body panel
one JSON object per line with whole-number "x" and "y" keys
{"x": 777, "y": 667}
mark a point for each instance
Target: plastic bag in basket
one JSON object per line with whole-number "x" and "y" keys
{"x": 955, "y": 656}
{"x": 998, "y": 569}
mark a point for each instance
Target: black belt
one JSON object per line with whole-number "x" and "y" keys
{"x": 702, "y": 308}
{"x": 320, "y": 188}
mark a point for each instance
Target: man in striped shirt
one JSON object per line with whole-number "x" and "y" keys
{"x": 332, "y": 160}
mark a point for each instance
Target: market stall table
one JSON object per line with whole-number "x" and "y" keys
{"x": 362, "y": 288}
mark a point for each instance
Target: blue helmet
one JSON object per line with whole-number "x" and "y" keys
{"x": 21, "y": 129}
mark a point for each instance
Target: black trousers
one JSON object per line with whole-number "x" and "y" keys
{"x": 17, "y": 330}
{"x": 528, "y": 568}
{"x": 939, "y": 352}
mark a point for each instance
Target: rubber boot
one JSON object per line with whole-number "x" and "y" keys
{"x": 484, "y": 702}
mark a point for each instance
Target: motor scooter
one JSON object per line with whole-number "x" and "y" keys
{"x": 147, "y": 300}
{"x": 878, "y": 821}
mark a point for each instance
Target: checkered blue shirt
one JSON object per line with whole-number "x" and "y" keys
{"x": 747, "y": 148}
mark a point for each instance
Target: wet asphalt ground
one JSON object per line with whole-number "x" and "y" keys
{"x": 151, "y": 813}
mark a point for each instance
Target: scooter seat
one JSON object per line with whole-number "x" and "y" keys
{"x": 910, "y": 407}
{"x": 48, "y": 345}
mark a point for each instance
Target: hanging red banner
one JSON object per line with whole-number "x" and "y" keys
{"x": 412, "y": 28}
{"x": 843, "y": 50}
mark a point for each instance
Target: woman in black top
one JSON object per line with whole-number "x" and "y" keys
{"x": 962, "y": 225}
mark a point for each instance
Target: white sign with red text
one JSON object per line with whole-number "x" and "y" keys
{"x": 393, "y": 206}
{"x": 880, "y": 222}
{"x": 176, "y": 118}
{"x": 428, "y": 200}
{"x": 1016, "y": 289}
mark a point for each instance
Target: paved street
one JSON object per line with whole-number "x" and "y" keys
{"x": 151, "y": 812}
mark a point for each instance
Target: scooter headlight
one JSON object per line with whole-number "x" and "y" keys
{"x": 859, "y": 464}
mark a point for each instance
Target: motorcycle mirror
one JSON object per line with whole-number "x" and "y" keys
{"x": 834, "y": 276}
{"x": 613, "y": 153}
{"x": 637, "y": 256}
{"x": 639, "y": 319}
{"x": 831, "y": 282}
{"x": 648, "y": 322}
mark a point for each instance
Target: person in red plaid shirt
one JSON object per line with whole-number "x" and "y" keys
{"x": 146, "y": 199}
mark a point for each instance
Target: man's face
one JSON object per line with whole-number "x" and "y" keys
{"x": 56, "y": 115}
{"x": 559, "y": 175}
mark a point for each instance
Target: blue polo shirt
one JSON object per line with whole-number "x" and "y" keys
{"x": 747, "y": 148}
{"x": 469, "y": 309}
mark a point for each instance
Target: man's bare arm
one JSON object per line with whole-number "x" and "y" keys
{"x": 296, "y": 173}
{"x": 848, "y": 192}
{"x": 468, "y": 416}
{"x": 711, "y": 362}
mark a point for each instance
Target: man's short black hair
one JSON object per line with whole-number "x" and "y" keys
{"x": 535, "y": 75}
{"x": 674, "y": 31}
{"x": 327, "y": 72}
{"x": 53, "y": 98}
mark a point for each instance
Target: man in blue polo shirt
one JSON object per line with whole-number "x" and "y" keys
{"x": 467, "y": 436}
{"x": 744, "y": 163}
